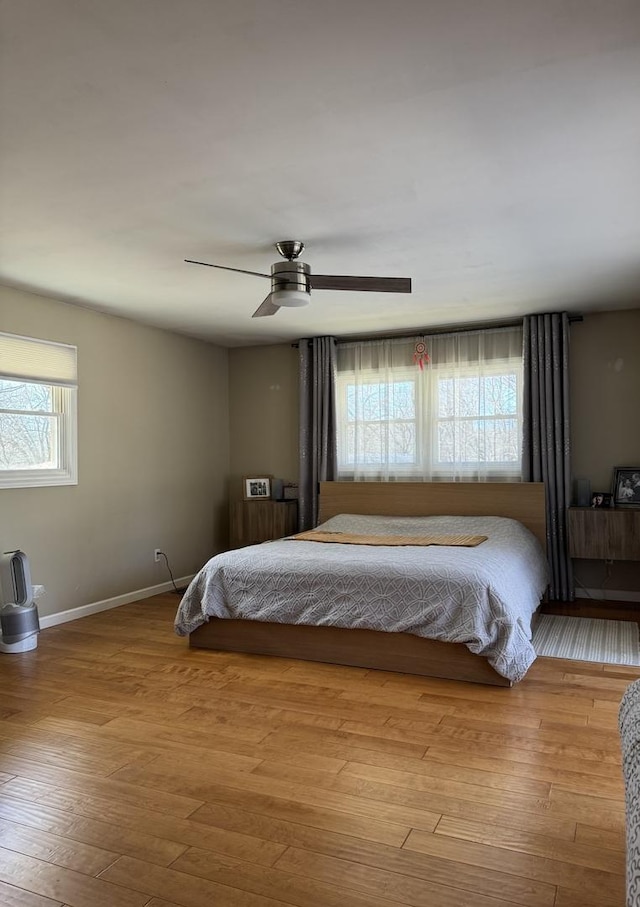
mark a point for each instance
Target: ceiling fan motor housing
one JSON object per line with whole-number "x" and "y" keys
{"x": 291, "y": 281}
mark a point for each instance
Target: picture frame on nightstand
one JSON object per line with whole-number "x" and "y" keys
{"x": 257, "y": 488}
{"x": 626, "y": 486}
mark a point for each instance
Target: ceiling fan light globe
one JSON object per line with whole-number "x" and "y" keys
{"x": 290, "y": 298}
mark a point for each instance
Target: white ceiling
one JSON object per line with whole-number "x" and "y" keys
{"x": 489, "y": 149}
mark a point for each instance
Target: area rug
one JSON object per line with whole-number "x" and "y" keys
{"x": 587, "y": 639}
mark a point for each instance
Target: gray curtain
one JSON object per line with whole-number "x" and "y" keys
{"x": 546, "y": 443}
{"x": 318, "y": 446}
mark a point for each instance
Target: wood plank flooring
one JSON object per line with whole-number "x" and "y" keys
{"x": 135, "y": 772}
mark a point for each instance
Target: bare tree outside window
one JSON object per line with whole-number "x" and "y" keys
{"x": 478, "y": 419}
{"x": 28, "y": 426}
{"x": 381, "y": 423}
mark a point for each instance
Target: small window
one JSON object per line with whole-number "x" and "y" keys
{"x": 38, "y": 387}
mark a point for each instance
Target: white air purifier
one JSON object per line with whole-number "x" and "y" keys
{"x": 19, "y": 623}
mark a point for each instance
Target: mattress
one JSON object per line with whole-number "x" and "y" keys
{"x": 483, "y": 597}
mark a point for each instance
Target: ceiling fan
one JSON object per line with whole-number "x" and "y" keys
{"x": 292, "y": 280}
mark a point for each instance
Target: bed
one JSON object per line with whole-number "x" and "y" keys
{"x": 458, "y": 612}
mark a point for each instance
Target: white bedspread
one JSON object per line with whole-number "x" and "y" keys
{"x": 483, "y": 597}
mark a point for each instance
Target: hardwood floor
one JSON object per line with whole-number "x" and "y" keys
{"x": 135, "y": 772}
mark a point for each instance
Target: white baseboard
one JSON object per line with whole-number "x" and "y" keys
{"x": 62, "y": 617}
{"x": 608, "y": 595}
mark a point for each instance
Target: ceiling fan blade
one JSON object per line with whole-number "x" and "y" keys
{"x": 190, "y": 261}
{"x": 371, "y": 284}
{"x": 266, "y": 308}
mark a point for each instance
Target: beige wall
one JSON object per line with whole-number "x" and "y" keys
{"x": 153, "y": 457}
{"x": 605, "y": 419}
{"x": 263, "y": 404}
{"x": 605, "y": 395}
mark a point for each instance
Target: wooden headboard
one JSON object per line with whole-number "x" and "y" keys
{"x": 523, "y": 501}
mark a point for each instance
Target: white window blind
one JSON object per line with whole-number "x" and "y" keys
{"x": 43, "y": 361}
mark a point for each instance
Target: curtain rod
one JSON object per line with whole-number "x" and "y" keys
{"x": 450, "y": 329}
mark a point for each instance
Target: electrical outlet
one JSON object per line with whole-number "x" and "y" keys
{"x": 156, "y": 554}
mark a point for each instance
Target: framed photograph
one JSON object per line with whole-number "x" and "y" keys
{"x": 601, "y": 499}
{"x": 626, "y": 486}
{"x": 257, "y": 488}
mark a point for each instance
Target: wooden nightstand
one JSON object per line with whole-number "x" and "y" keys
{"x": 252, "y": 522}
{"x": 604, "y": 533}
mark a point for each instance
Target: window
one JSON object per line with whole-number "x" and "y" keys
{"x": 459, "y": 417}
{"x": 477, "y": 419}
{"x": 38, "y": 384}
{"x": 378, "y": 422}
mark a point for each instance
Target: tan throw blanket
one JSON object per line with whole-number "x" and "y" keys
{"x": 351, "y": 538}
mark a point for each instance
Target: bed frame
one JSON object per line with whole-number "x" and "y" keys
{"x": 401, "y": 652}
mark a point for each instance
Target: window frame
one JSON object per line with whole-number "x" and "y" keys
{"x": 400, "y": 375}
{"x": 495, "y": 469}
{"x": 64, "y": 410}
